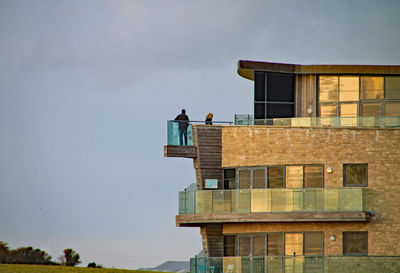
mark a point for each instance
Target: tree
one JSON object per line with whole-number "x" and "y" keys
{"x": 70, "y": 258}
{"x": 4, "y": 253}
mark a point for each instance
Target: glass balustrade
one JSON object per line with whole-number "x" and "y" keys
{"x": 176, "y": 135}
{"x": 272, "y": 200}
{"x": 359, "y": 121}
{"x": 304, "y": 264}
{"x": 295, "y": 264}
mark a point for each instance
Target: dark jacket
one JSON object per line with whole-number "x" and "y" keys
{"x": 183, "y": 120}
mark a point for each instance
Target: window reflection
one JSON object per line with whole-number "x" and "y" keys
{"x": 371, "y": 87}
{"x": 392, "y": 87}
{"x": 293, "y": 244}
{"x": 328, "y": 88}
{"x": 348, "y": 89}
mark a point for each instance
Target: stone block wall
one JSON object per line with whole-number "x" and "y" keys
{"x": 380, "y": 148}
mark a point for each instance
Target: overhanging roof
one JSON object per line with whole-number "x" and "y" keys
{"x": 246, "y": 69}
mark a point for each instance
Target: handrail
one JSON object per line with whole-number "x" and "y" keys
{"x": 202, "y": 121}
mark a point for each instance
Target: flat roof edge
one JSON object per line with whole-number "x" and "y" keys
{"x": 246, "y": 68}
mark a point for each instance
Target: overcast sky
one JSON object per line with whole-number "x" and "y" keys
{"x": 86, "y": 88}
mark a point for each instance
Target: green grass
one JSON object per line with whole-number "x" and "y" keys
{"x": 24, "y": 268}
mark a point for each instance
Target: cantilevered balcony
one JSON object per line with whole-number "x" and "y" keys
{"x": 271, "y": 205}
{"x": 292, "y": 264}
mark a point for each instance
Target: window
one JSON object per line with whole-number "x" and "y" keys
{"x": 392, "y": 87}
{"x": 274, "y": 244}
{"x": 274, "y": 177}
{"x": 229, "y": 246}
{"x": 353, "y": 96}
{"x": 355, "y": 243}
{"x": 293, "y": 244}
{"x": 313, "y": 243}
{"x": 229, "y": 178}
{"x": 355, "y": 174}
{"x": 371, "y": 88}
{"x": 274, "y": 95}
{"x": 313, "y": 176}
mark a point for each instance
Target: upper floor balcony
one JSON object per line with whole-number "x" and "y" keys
{"x": 272, "y": 205}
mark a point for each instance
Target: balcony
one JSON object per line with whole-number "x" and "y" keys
{"x": 177, "y": 147}
{"x": 272, "y": 205}
{"x": 358, "y": 122}
{"x": 296, "y": 264}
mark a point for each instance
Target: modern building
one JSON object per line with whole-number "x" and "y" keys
{"x": 309, "y": 182}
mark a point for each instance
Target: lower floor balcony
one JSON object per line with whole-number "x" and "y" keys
{"x": 272, "y": 205}
{"x": 296, "y": 264}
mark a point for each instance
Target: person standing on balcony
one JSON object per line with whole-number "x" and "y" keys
{"x": 209, "y": 119}
{"x": 183, "y": 121}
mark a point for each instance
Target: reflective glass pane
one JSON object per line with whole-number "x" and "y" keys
{"x": 313, "y": 200}
{"x": 348, "y": 88}
{"x": 259, "y": 246}
{"x": 204, "y": 202}
{"x": 371, "y": 88}
{"x": 260, "y": 200}
{"x": 351, "y": 199}
{"x": 294, "y": 176}
{"x": 348, "y": 110}
{"x": 244, "y": 179}
{"x": 243, "y": 204}
{"x": 275, "y": 177}
{"x": 328, "y": 89}
{"x": 392, "y": 109}
{"x": 331, "y": 200}
{"x": 355, "y": 174}
{"x": 328, "y": 110}
{"x": 244, "y": 246}
{"x": 293, "y": 244}
{"x": 221, "y": 201}
{"x": 392, "y": 87}
{"x": 275, "y": 244}
{"x": 371, "y": 109}
{"x": 313, "y": 176}
{"x": 278, "y": 200}
{"x": 259, "y": 179}
{"x": 313, "y": 243}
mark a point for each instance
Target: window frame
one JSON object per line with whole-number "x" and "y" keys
{"x": 345, "y": 233}
{"x": 345, "y": 165}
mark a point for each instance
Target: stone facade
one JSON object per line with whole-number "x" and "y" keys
{"x": 250, "y": 146}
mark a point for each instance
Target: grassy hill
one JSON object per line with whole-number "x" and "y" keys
{"x": 23, "y": 268}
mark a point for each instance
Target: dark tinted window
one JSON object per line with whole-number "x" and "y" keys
{"x": 229, "y": 245}
{"x": 280, "y": 87}
{"x": 259, "y": 86}
{"x": 259, "y": 110}
{"x": 355, "y": 243}
{"x": 355, "y": 174}
{"x": 280, "y": 110}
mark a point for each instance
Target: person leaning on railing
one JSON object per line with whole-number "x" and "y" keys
{"x": 209, "y": 119}
{"x": 183, "y": 120}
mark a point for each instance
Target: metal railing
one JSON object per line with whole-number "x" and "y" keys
{"x": 359, "y": 122}
{"x": 296, "y": 264}
{"x": 272, "y": 200}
